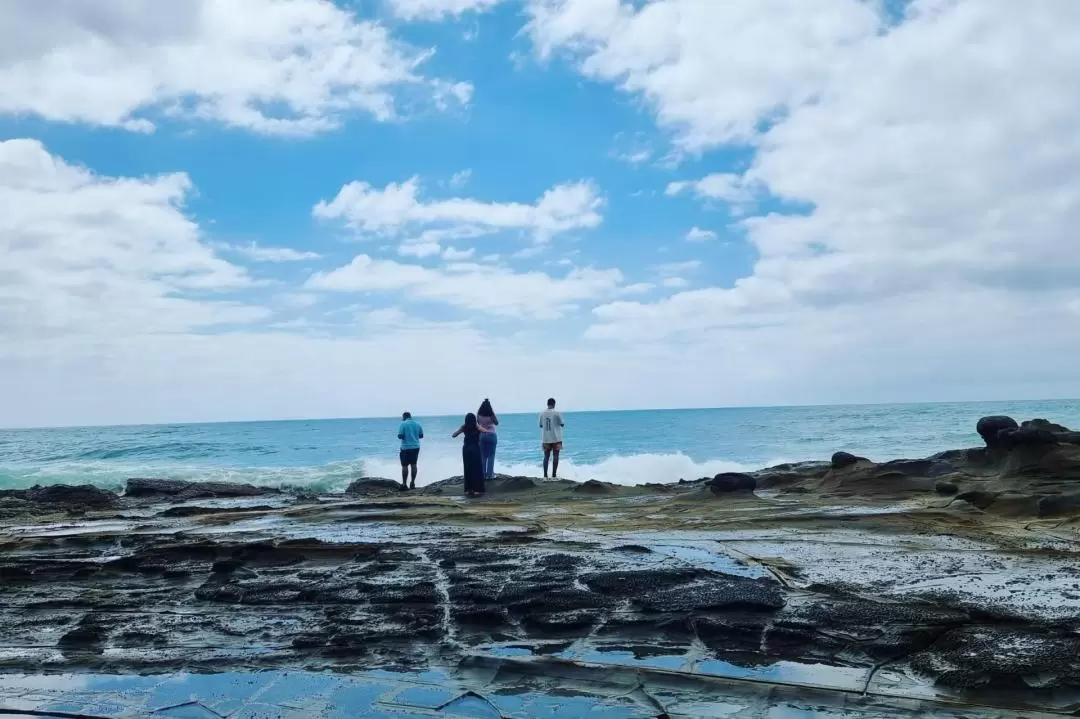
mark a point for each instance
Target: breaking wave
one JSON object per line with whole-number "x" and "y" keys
{"x": 335, "y": 476}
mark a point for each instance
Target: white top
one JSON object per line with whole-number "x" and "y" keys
{"x": 551, "y": 424}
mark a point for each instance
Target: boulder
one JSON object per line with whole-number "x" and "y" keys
{"x": 373, "y": 486}
{"x": 840, "y": 460}
{"x": 82, "y": 496}
{"x": 732, "y": 482}
{"x": 989, "y": 427}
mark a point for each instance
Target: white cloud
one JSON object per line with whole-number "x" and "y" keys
{"x": 273, "y": 254}
{"x": 460, "y": 179}
{"x": 939, "y": 229}
{"x": 438, "y": 9}
{"x": 696, "y": 234}
{"x": 398, "y": 206}
{"x": 724, "y": 186}
{"x": 96, "y": 256}
{"x": 676, "y": 268}
{"x": 676, "y": 283}
{"x": 451, "y": 254}
{"x": 280, "y": 67}
{"x": 495, "y": 290}
{"x": 712, "y": 70}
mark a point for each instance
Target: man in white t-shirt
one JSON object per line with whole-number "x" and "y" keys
{"x": 551, "y": 426}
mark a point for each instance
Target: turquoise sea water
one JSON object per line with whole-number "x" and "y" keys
{"x": 627, "y": 447}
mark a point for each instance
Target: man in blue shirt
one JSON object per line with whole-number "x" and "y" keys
{"x": 410, "y": 433}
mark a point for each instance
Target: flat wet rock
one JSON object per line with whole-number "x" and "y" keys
{"x": 891, "y": 592}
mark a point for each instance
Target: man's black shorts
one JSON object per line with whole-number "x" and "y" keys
{"x": 409, "y": 456}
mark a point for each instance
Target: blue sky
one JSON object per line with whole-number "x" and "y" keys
{"x": 749, "y": 202}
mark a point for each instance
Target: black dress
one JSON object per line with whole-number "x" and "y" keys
{"x": 472, "y": 462}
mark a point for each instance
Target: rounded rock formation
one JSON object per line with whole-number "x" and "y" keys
{"x": 840, "y": 460}
{"x": 989, "y": 427}
{"x": 732, "y": 482}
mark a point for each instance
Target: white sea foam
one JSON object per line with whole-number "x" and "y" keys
{"x": 435, "y": 465}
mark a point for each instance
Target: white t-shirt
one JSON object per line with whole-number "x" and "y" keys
{"x": 551, "y": 424}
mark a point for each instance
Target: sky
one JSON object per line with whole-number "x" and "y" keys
{"x": 258, "y": 209}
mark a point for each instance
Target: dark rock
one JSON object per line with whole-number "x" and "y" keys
{"x": 82, "y": 496}
{"x": 1056, "y": 505}
{"x": 714, "y": 593}
{"x": 1044, "y": 424}
{"x": 1026, "y": 437}
{"x": 373, "y": 486}
{"x": 1002, "y": 658}
{"x": 593, "y": 486}
{"x": 509, "y": 484}
{"x": 732, "y": 482}
{"x": 916, "y": 468}
{"x": 988, "y": 428}
{"x": 84, "y": 638}
{"x": 784, "y": 476}
{"x": 226, "y": 566}
{"x": 143, "y": 487}
{"x": 638, "y": 582}
{"x": 840, "y": 460}
{"x": 194, "y": 511}
{"x": 978, "y": 498}
{"x": 945, "y": 487}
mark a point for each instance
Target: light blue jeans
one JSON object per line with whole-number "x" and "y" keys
{"x": 488, "y": 442}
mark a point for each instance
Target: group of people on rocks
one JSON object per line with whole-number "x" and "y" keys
{"x": 480, "y": 433}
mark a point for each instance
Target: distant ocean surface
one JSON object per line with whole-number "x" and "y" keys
{"x": 629, "y": 447}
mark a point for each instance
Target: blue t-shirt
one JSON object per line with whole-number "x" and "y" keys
{"x": 411, "y": 433}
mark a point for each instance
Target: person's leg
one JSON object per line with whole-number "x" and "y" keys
{"x": 491, "y": 456}
{"x": 547, "y": 459}
{"x": 484, "y": 450}
{"x": 412, "y": 469}
{"x": 404, "y": 470}
{"x": 555, "y": 463}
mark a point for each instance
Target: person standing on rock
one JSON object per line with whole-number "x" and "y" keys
{"x": 489, "y": 440}
{"x": 551, "y": 437}
{"x": 410, "y": 433}
{"x": 472, "y": 465}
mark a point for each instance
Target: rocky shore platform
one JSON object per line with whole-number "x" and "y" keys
{"x": 947, "y": 586}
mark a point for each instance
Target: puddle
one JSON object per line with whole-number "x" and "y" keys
{"x": 498, "y": 691}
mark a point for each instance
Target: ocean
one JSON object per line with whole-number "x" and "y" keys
{"x": 626, "y": 447}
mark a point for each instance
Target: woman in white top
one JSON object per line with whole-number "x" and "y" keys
{"x": 485, "y": 417}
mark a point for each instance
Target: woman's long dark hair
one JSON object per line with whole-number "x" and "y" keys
{"x": 470, "y": 422}
{"x": 485, "y": 409}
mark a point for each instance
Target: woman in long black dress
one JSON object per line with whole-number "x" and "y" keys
{"x": 470, "y": 456}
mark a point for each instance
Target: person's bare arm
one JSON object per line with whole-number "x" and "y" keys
{"x": 495, "y": 420}
{"x": 459, "y": 431}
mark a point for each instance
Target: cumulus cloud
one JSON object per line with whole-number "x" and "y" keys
{"x": 438, "y": 9}
{"x": 279, "y": 67}
{"x": 101, "y": 256}
{"x": 398, "y": 207}
{"x": 943, "y": 208}
{"x": 713, "y": 71}
{"x": 485, "y": 288}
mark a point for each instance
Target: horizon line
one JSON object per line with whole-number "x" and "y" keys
{"x": 513, "y": 413}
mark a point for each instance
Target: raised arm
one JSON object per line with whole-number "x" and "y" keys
{"x": 458, "y": 433}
